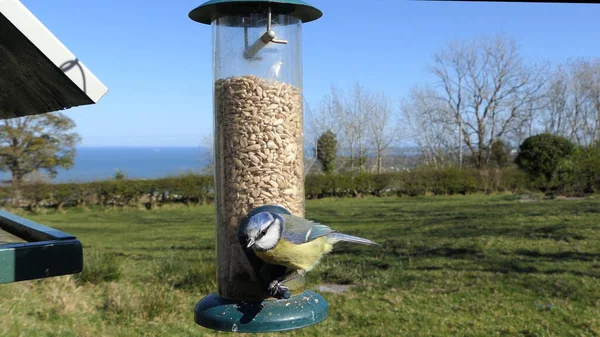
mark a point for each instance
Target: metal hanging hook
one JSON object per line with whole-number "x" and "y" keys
{"x": 268, "y": 36}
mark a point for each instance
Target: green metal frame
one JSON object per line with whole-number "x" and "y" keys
{"x": 48, "y": 252}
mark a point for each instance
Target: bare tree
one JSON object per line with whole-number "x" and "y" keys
{"x": 317, "y": 122}
{"x": 347, "y": 116}
{"x": 572, "y": 101}
{"x": 426, "y": 118}
{"x": 554, "y": 115}
{"x": 329, "y": 115}
{"x": 382, "y": 128}
{"x": 361, "y": 120}
{"x": 576, "y": 104}
{"x": 487, "y": 89}
{"x": 325, "y": 117}
{"x": 360, "y": 104}
{"x": 529, "y": 125}
{"x": 352, "y": 109}
{"x": 589, "y": 82}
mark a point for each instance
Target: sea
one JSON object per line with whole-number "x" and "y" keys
{"x": 99, "y": 163}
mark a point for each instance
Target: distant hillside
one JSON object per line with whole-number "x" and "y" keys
{"x": 393, "y": 151}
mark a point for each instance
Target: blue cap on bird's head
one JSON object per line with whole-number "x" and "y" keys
{"x": 259, "y": 220}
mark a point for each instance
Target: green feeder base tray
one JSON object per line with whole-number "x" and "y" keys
{"x": 302, "y": 310}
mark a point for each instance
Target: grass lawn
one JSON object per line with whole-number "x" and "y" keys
{"x": 450, "y": 266}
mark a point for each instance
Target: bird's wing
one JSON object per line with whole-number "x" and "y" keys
{"x": 299, "y": 230}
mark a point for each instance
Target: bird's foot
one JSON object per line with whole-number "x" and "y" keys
{"x": 278, "y": 290}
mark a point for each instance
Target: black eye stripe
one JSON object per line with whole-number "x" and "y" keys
{"x": 261, "y": 233}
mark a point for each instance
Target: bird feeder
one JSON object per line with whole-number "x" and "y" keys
{"x": 259, "y": 157}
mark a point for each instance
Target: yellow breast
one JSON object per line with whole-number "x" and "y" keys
{"x": 303, "y": 256}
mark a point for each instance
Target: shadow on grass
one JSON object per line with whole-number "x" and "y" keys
{"x": 508, "y": 266}
{"x": 561, "y": 256}
{"x": 198, "y": 248}
{"x": 207, "y": 247}
{"x": 558, "y": 232}
{"x": 449, "y": 252}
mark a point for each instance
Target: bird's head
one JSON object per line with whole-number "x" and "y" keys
{"x": 263, "y": 231}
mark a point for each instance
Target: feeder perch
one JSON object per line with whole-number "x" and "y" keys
{"x": 38, "y": 74}
{"x": 259, "y": 157}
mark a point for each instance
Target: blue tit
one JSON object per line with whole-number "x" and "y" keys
{"x": 291, "y": 241}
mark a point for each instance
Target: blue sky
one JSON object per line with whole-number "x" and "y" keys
{"x": 157, "y": 62}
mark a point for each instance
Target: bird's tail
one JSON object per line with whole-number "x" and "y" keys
{"x": 335, "y": 237}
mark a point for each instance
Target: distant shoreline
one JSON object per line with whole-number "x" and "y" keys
{"x": 94, "y": 163}
{"x": 135, "y": 147}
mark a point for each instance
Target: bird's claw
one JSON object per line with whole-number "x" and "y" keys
{"x": 278, "y": 290}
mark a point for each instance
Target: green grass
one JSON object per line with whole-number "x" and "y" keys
{"x": 449, "y": 266}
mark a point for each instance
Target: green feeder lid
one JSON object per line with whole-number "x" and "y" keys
{"x": 214, "y": 9}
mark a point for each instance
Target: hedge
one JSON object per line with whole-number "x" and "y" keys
{"x": 418, "y": 182}
{"x": 186, "y": 189}
{"x": 198, "y": 189}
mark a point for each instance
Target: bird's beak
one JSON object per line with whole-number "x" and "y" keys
{"x": 250, "y": 243}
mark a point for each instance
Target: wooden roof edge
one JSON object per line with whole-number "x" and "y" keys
{"x": 53, "y": 48}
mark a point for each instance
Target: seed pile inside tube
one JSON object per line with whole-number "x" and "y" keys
{"x": 259, "y": 148}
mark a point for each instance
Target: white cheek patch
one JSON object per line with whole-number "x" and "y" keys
{"x": 270, "y": 239}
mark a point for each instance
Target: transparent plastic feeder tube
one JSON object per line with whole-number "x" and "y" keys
{"x": 258, "y": 133}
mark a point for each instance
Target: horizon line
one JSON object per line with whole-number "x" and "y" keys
{"x": 138, "y": 146}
